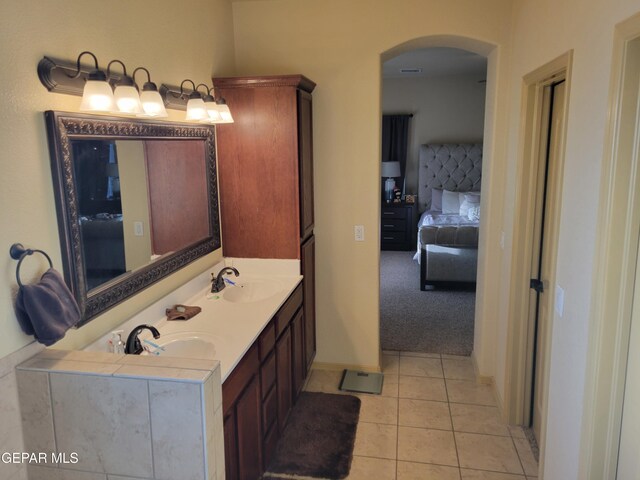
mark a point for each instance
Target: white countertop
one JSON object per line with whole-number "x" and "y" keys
{"x": 234, "y": 326}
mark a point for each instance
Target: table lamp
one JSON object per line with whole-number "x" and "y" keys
{"x": 390, "y": 170}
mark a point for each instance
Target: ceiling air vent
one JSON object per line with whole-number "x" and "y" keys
{"x": 410, "y": 70}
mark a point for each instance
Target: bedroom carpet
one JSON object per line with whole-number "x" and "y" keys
{"x": 435, "y": 321}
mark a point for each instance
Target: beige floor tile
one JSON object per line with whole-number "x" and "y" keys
{"x": 482, "y": 475}
{"x": 390, "y": 386}
{"x": 488, "y": 452}
{"x": 421, "y": 367}
{"x": 456, "y": 357}
{"x": 463, "y": 391}
{"x": 326, "y": 381}
{"x": 426, "y": 446}
{"x": 458, "y": 369}
{"x": 424, "y": 471}
{"x": 390, "y": 364}
{"x": 424, "y": 414}
{"x": 526, "y": 456}
{"x": 422, "y": 388}
{"x": 419, "y": 354}
{"x": 378, "y": 409}
{"x": 516, "y": 431}
{"x": 477, "y": 419}
{"x": 376, "y": 440}
{"x": 366, "y": 468}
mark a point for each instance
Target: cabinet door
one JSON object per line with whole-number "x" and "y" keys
{"x": 231, "y": 445}
{"x": 305, "y": 158}
{"x": 308, "y": 265}
{"x": 299, "y": 360}
{"x": 283, "y": 362}
{"x": 249, "y": 432}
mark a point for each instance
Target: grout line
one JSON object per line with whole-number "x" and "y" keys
{"x": 398, "y": 421}
{"x": 453, "y": 433}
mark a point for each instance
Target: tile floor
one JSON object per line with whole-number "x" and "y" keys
{"x": 432, "y": 422}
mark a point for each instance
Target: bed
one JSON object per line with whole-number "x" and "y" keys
{"x": 447, "y": 246}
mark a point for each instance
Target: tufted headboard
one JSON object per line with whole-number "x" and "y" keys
{"x": 452, "y": 166}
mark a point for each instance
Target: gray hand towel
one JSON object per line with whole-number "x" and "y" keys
{"x": 47, "y": 309}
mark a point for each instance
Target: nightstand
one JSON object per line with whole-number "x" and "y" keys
{"x": 397, "y": 227}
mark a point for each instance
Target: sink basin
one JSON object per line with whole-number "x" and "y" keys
{"x": 250, "y": 291}
{"x": 183, "y": 344}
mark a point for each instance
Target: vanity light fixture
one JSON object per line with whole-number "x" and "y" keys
{"x": 97, "y": 95}
{"x": 126, "y": 97}
{"x": 152, "y": 104}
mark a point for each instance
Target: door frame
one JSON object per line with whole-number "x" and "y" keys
{"x": 615, "y": 261}
{"x": 533, "y": 133}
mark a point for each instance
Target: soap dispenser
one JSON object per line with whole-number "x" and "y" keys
{"x": 116, "y": 345}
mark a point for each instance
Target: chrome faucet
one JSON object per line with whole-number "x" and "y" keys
{"x": 217, "y": 283}
{"x": 133, "y": 345}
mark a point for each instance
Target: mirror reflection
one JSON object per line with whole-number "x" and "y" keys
{"x": 138, "y": 200}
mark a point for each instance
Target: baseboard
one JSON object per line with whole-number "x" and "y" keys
{"x": 345, "y": 366}
{"x": 487, "y": 380}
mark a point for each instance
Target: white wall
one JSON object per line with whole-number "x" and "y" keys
{"x": 542, "y": 31}
{"x": 144, "y": 33}
{"x": 448, "y": 109}
{"x": 340, "y": 45}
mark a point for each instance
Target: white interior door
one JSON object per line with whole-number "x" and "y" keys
{"x": 629, "y": 453}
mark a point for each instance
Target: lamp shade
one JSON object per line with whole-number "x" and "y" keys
{"x": 196, "y": 109}
{"x": 152, "y": 104}
{"x": 127, "y": 100}
{"x": 390, "y": 169}
{"x": 97, "y": 96}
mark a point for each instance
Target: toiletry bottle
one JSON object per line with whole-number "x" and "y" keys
{"x": 116, "y": 345}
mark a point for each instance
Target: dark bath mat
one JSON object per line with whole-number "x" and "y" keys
{"x": 318, "y": 439}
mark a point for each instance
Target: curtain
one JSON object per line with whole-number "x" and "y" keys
{"x": 395, "y": 136}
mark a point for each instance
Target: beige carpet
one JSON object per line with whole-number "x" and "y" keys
{"x": 436, "y": 321}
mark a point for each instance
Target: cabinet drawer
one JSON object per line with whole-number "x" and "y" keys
{"x": 269, "y": 409}
{"x": 268, "y": 374}
{"x": 394, "y": 236}
{"x": 393, "y": 213}
{"x": 288, "y": 310}
{"x": 267, "y": 340}
{"x": 391, "y": 225}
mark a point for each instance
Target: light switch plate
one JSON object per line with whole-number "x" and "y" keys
{"x": 138, "y": 229}
{"x": 559, "y": 300}
{"x": 359, "y": 233}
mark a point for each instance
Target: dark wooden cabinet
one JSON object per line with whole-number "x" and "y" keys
{"x": 299, "y": 363}
{"x": 265, "y": 166}
{"x": 260, "y": 392}
{"x": 397, "y": 226}
{"x": 308, "y": 269}
{"x": 285, "y": 383}
{"x": 242, "y": 404}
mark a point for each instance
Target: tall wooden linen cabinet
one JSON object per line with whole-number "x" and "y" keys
{"x": 265, "y": 173}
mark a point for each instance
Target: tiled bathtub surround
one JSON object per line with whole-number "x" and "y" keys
{"x": 125, "y": 416}
{"x": 11, "y": 430}
{"x": 433, "y": 421}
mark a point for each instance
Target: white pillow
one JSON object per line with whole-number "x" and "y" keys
{"x": 450, "y": 202}
{"x": 468, "y": 200}
{"x": 474, "y": 213}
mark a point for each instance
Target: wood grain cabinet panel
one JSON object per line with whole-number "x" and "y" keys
{"x": 285, "y": 383}
{"x": 308, "y": 266}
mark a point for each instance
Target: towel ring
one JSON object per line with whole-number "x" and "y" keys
{"x": 18, "y": 252}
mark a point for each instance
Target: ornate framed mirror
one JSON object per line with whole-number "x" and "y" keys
{"x": 136, "y": 200}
